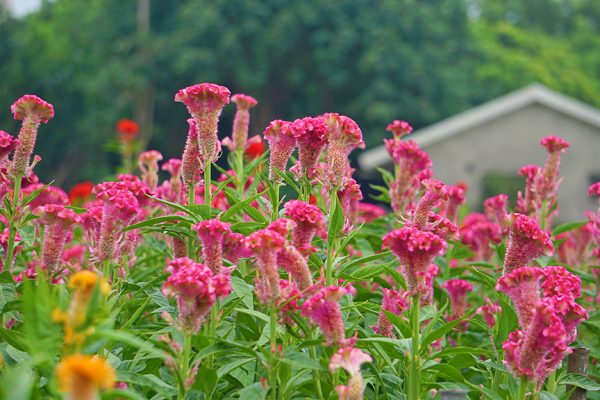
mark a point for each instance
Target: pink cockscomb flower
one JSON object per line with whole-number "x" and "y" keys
{"x": 529, "y": 204}
{"x": 496, "y": 209}
{"x": 281, "y": 144}
{"x": 121, "y": 208}
{"x": 555, "y": 146}
{"x": 393, "y": 302}
{"x": 59, "y": 222}
{"x": 266, "y": 244}
{"x": 522, "y": 286}
{"x": 489, "y": 311}
{"x": 368, "y": 213}
{"x": 350, "y": 359}
{"x": 526, "y": 242}
{"x": 33, "y": 111}
{"x": 478, "y": 233}
{"x": 137, "y": 188}
{"x": 399, "y": 128}
{"x": 288, "y": 303}
{"x": 456, "y": 198}
{"x": 435, "y": 191}
{"x": 49, "y": 195}
{"x": 234, "y": 249}
{"x": 415, "y": 250}
{"x": 192, "y": 161}
{"x": 148, "y": 164}
{"x": 457, "y": 291}
{"x": 196, "y": 289}
{"x": 438, "y": 225}
{"x": 239, "y": 134}
{"x": 324, "y": 310}
{"x": 308, "y": 219}
{"x": 424, "y": 288}
{"x": 311, "y": 137}
{"x": 170, "y": 190}
{"x": 7, "y": 144}
{"x": 575, "y": 249}
{"x": 349, "y": 195}
{"x": 344, "y": 136}
{"x": 212, "y": 233}
{"x": 205, "y": 103}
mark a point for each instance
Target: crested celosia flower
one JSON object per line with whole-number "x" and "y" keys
{"x": 148, "y": 164}
{"x": 522, "y": 286}
{"x": 281, "y": 144}
{"x": 311, "y": 137}
{"x": 496, "y": 209}
{"x": 350, "y": 359}
{"x": 424, "y": 287}
{"x": 82, "y": 376}
{"x": 127, "y": 130}
{"x": 192, "y": 163}
{"x": 399, "y": 128}
{"x": 526, "y": 242}
{"x": 324, "y": 310}
{"x": 393, "y": 302}
{"x": 456, "y": 198}
{"x": 49, "y": 195}
{"x": 368, "y": 213}
{"x": 435, "y": 191}
{"x": 288, "y": 302}
{"x": 348, "y": 195}
{"x": 212, "y": 233}
{"x": 239, "y": 134}
{"x": 344, "y": 136}
{"x": 75, "y": 253}
{"x": 415, "y": 250}
{"x": 308, "y": 219}
{"x": 442, "y": 227}
{"x": 478, "y": 233}
{"x": 266, "y": 244}
{"x": 195, "y": 289}
{"x": 7, "y": 144}
{"x": 234, "y": 249}
{"x": 81, "y": 192}
{"x": 489, "y": 312}
{"x": 555, "y": 146}
{"x": 537, "y": 350}
{"x": 575, "y": 249}
{"x": 457, "y": 292}
{"x": 529, "y": 204}
{"x": 139, "y": 189}
{"x": 59, "y": 222}
{"x": 33, "y": 111}
{"x": 205, "y": 103}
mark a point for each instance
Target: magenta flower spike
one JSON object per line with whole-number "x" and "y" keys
{"x": 489, "y": 311}
{"x": 424, "y": 287}
{"x": 196, "y": 290}
{"x": 266, "y": 244}
{"x": 347, "y": 194}
{"x": 344, "y": 136}
{"x": 288, "y": 303}
{"x": 393, "y": 302}
{"x": 32, "y": 111}
{"x": 239, "y": 134}
{"x": 478, "y": 233}
{"x": 234, "y": 249}
{"x": 59, "y": 222}
{"x": 350, "y": 359}
{"x": 555, "y": 146}
{"x": 531, "y": 202}
{"x": 399, "y": 128}
{"x": 308, "y": 219}
{"x": 92, "y": 221}
{"x": 435, "y": 190}
{"x": 148, "y": 164}
{"x": 192, "y": 162}
{"x": 496, "y": 210}
{"x": 533, "y": 353}
{"x": 368, "y": 213}
{"x": 324, "y": 310}
{"x": 522, "y": 286}
{"x": 212, "y": 233}
{"x": 205, "y": 103}
{"x": 171, "y": 190}
{"x": 7, "y": 144}
{"x": 121, "y": 208}
{"x": 311, "y": 136}
{"x": 526, "y": 242}
{"x": 456, "y": 198}
{"x": 442, "y": 227}
{"x": 457, "y": 292}
{"x": 415, "y": 250}
{"x": 281, "y": 145}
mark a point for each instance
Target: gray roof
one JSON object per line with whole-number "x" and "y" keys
{"x": 505, "y": 105}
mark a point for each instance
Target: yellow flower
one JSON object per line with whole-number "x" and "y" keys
{"x": 84, "y": 283}
{"x": 83, "y": 375}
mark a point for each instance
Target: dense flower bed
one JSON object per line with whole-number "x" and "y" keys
{"x": 229, "y": 288}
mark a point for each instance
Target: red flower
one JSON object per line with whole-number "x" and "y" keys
{"x": 80, "y": 192}
{"x": 127, "y": 129}
{"x": 255, "y": 150}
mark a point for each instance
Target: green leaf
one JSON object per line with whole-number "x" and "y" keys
{"x": 249, "y": 210}
{"x": 461, "y": 350}
{"x": 6, "y": 277}
{"x": 243, "y": 290}
{"x": 366, "y": 273}
{"x": 121, "y": 394}
{"x": 569, "y": 226}
{"x": 241, "y": 205}
{"x": 487, "y": 392}
{"x": 130, "y": 339}
{"x": 300, "y": 360}
{"x": 254, "y": 313}
{"x": 145, "y": 381}
{"x": 27, "y": 234}
{"x": 426, "y": 313}
{"x": 336, "y": 221}
{"x": 438, "y": 333}
{"x": 206, "y": 380}
{"x": 579, "y": 380}
{"x": 227, "y": 368}
{"x": 14, "y": 305}
{"x": 363, "y": 260}
{"x": 287, "y": 179}
{"x": 13, "y": 338}
{"x": 448, "y": 370}
{"x": 159, "y": 220}
{"x": 399, "y": 323}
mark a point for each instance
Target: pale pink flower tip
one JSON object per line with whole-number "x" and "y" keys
{"x": 7, "y": 144}
{"x": 282, "y": 226}
{"x": 349, "y": 359}
{"x": 264, "y": 240}
{"x": 399, "y": 128}
{"x": 209, "y": 94}
{"x": 560, "y": 282}
{"x": 212, "y": 227}
{"x": 526, "y": 242}
{"x": 300, "y": 211}
{"x": 32, "y": 106}
{"x": 594, "y": 190}
{"x": 243, "y": 101}
{"x": 436, "y": 187}
{"x": 554, "y": 144}
{"x": 55, "y": 214}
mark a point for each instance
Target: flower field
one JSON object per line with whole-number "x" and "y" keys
{"x": 275, "y": 279}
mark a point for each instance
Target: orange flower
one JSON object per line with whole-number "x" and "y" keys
{"x": 83, "y": 375}
{"x": 128, "y": 130}
{"x": 255, "y": 150}
{"x": 84, "y": 283}
{"x": 80, "y": 192}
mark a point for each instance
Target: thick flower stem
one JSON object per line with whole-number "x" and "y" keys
{"x": 552, "y": 382}
{"x": 191, "y": 195}
{"x": 276, "y": 201}
{"x": 414, "y": 380}
{"x": 334, "y": 242}
{"x": 544, "y": 214}
{"x": 207, "y": 182}
{"x": 12, "y": 230}
{"x": 522, "y": 390}
{"x": 214, "y": 315}
{"x": 187, "y": 347}
{"x": 316, "y": 375}
{"x": 273, "y": 375}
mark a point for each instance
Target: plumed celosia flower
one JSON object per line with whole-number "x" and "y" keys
{"x": 7, "y": 144}
{"x": 324, "y": 310}
{"x": 239, "y": 134}
{"x": 533, "y": 353}
{"x": 575, "y": 249}
{"x": 212, "y": 233}
{"x": 489, "y": 311}
{"x": 415, "y": 250}
{"x": 368, "y": 213}
{"x": 434, "y": 191}
{"x": 139, "y": 189}
{"x": 496, "y": 209}
{"x": 307, "y": 218}
{"x": 33, "y": 111}
{"x": 555, "y": 146}
{"x": 294, "y": 263}
{"x": 170, "y": 190}
{"x": 344, "y": 136}
{"x": 82, "y": 376}
{"x": 288, "y": 302}
{"x": 234, "y": 249}
{"x": 49, "y": 195}
{"x": 350, "y": 359}
{"x": 456, "y": 198}
{"x": 526, "y": 242}
{"x": 399, "y": 128}
{"x": 195, "y": 289}
{"x": 478, "y": 233}
{"x": 192, "y": 162}
{"x": 347, "y": 194}
{"x": 266, "y": 244}
{"x": 442, "y": 227}
{"x": 281, "y": 144}
{"x": 522, "y": 286}
{"x": 59, "y": 222}
{"x": 393, "y": 302}
{"x": 178, "y": 245}
{"x": 75, "y": 253}
{"x": 205, "y": 103}
{"x": 424, "y": 287}
{"x": 531, "y": 202}
{"x": 148, "y": 164}
{"x": 127, "y": 130}
{"x": 457, "y": 292}
{"x": 120, "y": 209}
{"x": 311, "y": 137}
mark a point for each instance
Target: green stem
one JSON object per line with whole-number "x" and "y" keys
{"x": 330, "y": 248}
{"x": 187, "y": 347}
{"x": 522, "y": 389}
{"x": 273, "y": 374}
{"x": 276, "y": 201}
{"x": 207, "y": 182}
{"x": 496, "y": 381}
{"x": 415, "y": 360}
{"x": 12, "y": 230}
{"x": 214, "y": 315}
{"x": 191, "y": 195}
{"x": 316, "y": 377}
{"x": 544, "y": 215}
{"x": 552, "y": 382}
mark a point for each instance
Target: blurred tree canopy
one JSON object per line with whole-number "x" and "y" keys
{"x": 373, "y": 60}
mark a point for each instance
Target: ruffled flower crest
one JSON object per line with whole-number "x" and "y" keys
{"x": 526, "y": 242}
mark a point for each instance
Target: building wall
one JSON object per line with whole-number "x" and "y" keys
{"x": 510, "y": 142}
